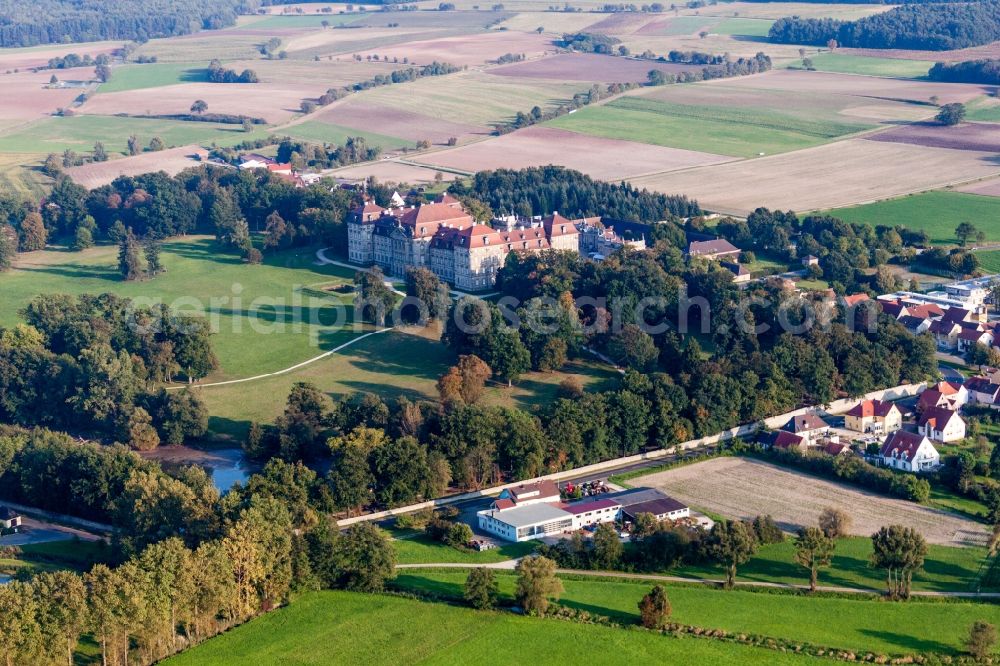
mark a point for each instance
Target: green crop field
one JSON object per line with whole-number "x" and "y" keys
{"x": 990, "y": 261}
{"x": 856, "y": 624}
{"x": 852, "y": 64}
{"x": 938, "y": 213}
{"x": 687, "y": 25}
{"x": 153, "y": 75}
{"x": 353, "y": 628}
{"x": 736, "y": 131}
{"x": 279, "y": 22}
{"x": 986, "y": 109}
{"x": 79, "y": 133}
{"x": 195, "y": 274}
{"x": 744, "y": 27}
{"x": 946, "y": 569}
{"x": 319, "y": 131}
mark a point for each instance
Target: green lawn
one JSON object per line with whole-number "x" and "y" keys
{"x": 946, "y": 569}
{"x": 736, "y": 131}
{"x": 252, "y": 338}
{"x": 153, "y": 75}
{"x": 852, "y": 64}
{"x": 353, "y": 628}
{"x": 860, "y": 625}
{"x": 986, "y": 109}
{"x": 420, "y": 549}
{"x": 404, "y": 363}
{"x": 687, "y": 25}
{"x": 73, "y": 554}
{"x": 319, "y": 131}
{"x": 79, "y": 133}
{"x": 937, "y": 213}
{"x": 747, "y": 27}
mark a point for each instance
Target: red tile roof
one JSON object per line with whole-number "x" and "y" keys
{"x": 867, "y": 408}
{"x": 902, "y": 444}
{"x": 938, "y": 417}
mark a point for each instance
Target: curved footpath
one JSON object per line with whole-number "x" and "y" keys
{"x": 511, "y": 564}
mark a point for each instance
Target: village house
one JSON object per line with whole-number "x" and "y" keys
{"x": 9, "y": 519}
{"x": 531, "y": 493}
{"x": 878, "y": 417}
{"x": 784, "y": 440}
{"x": 741, "y": 274}
{"x": 810, "y": 427}
{"x": 909, "y": 452}
{"x": 714, "y": 250}
{"x": 943, "y": 394}
{"x": 983, "y": 391}
{"x": 941, "y": 424}
{"x": 970, "y": 337}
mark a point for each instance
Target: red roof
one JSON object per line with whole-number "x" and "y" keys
{"x": 834, "y": 449}
{"x": 502, "y": 504}
{"x": 925, "y": 311}
{"x": 786, "y": 440}
{"x": 854, "y": 299}
{"x": 930, "y": 399}
{"x": 894, "y": 308}
{"x": 902, "y": 444}
{"x": 956, "y": 315}
{"x": 948, "y": 388}
{"x": 938, "y": 417}
{"x": 867, "y": 408}
{"x": 557, "y": 225}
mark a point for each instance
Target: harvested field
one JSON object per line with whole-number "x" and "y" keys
{"x": 743, "y": 488}
{"x": 989, "y": 188}
{"x": 471, "y": 97}
{"x": 38, "y": 56}
{"x": 555, "y": 23}
{"x": 679, "y": 25}
{"x": 319, "y": 131}
{"x": 466, "y": 49}
{"x": 26, "y": 97}
{"x": 829, "y": 176}
{"x": 967, "y": 136}
{"x": 389, "y": 171}
{"x": 204, "y": 46}
{"x": 802, "y": 9}
{"x": 589, "y": 67}
{"x": 860, "y": 86}
{"x": 395, "y": 121}
{"x": 318, "y": 75}
{"x": 971, "y": 53}
{"x": 324, "y": 43}
{"x": 276, "y": 103}
{"x": 95, "y": 174}
{"x": 607, "y": 159}
{"x": 21, "y": 174}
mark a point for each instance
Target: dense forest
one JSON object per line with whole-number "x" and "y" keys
{"x": 931, "y": 27}
{"x": 969, "y": 71}
{"x": 542, "y": 190}
{"x": 60, "y": 21}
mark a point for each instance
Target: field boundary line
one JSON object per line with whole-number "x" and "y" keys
{"x": 509, "y": 564}
{"x": 288, "y": 369}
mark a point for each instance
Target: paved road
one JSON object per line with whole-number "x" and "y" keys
{"x": 33, "y": 531}
{"x": 950, "y": 374}
{"x": 510, "y": 564}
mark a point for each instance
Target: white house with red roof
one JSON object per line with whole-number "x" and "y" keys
{"x": 941, "y": 424}
{"x": 983, "y": 391}
{"x": 909, "y": 452}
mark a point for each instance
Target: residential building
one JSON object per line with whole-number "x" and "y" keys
{"x": 878, "y": 417}
{"x": 810, "y": 260}
{"x": 9, "y": 519}
{"x": 808, "y": 426}
{"x": 915, "y": 325}
{"x": 532, "y": 493}
{"x": 716, "y": 249}
{"x": 649, "y": 500}
{"x": 983, "y": 391}
{"x": 909, "y": 452}
{"x": 970, "y": 337}
{"x": 741, "y": 274}
{"x": 443, "y": 237}
{"x": 782, "y": 439}
{"x": 940, "y": 424}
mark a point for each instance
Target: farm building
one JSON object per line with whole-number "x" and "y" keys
{"x": 716, "y": 249}
{"x": 523, "y": 523}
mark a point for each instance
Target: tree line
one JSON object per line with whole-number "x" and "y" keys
{"x": 969, "y": 71}
{"x": 226, "y": 202}
{"x": 193, "y": 579}
{"x": 924, "y": 26}
{"x": 544, "y": 190}
{"x": 60, "y": 21}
